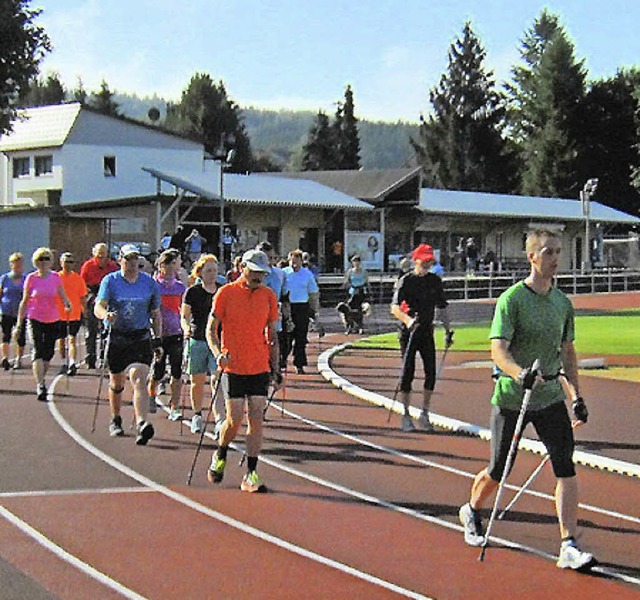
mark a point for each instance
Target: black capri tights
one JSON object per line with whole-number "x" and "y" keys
{"x": 44, "y": 336}
{"x": 422, "y": 343}
{"x": 553, "y": 426}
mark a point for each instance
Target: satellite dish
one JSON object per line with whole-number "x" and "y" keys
{"x": 153, "y": 114}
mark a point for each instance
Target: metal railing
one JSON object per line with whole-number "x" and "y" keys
{"x": 489, "y": 286}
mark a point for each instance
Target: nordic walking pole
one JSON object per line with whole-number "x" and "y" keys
{"x": 102, "y": 370}
{"x": 67, "y": 350}
{"x": 448, "y": 342}
{"x": 216, "y": 385}
{"x": 185, "y": 363}
{"x": 524, "y": 486}
{"x": 511, "y": 456}
{"x": 402, "y": 370}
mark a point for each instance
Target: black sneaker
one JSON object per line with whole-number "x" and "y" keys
{"x": 41, "y": 392}
{"x": 115, "y": 427}
{"x": 72, "y": 370}
{"x": 5, "y": 364}
{"x": 144, "y": 433}
{"x": 91, "y": 364}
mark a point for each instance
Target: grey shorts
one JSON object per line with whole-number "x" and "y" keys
{"x": 553, "y": 426}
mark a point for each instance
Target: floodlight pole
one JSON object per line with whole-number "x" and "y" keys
{"x": 585, "y": 197}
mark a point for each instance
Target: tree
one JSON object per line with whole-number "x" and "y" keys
{"x": 206, "y": 113}
{"x": 45, "y": 92}
{"x": 610, "y": 139}
{"x": 546, "y": 110}
{"x": 319, "y": 153}
{"x": 460, "y": 144}
{"x": 23, "y": 45}
{"x": 103, "y": 101}
{"x": 348, "y": 140}
{"x": 80, "y": 94}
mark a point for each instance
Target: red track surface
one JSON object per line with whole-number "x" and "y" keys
{"x": 359, "y": 493}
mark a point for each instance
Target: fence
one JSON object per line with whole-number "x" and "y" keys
{"x": 481, "y": 287}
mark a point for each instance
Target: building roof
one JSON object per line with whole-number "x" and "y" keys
{"x": 260, "y": 189}
{"x": 501, "y": 205}
{"x": 41, "y": 127}
{"x": 371, "y": 185}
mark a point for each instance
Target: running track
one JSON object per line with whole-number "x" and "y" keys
{"x": 356, "y": 509}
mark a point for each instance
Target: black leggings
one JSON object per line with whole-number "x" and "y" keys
{"x": 421, "y": 342}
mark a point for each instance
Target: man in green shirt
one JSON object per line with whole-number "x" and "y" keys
{"x": 534, "y": 320}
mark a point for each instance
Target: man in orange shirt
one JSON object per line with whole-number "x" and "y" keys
{"x": 76, "y": 290}
{"x": 247, "y": 353}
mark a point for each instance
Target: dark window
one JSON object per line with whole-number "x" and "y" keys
{"x": 44, "y": 165}
{"x": 21, "y": 166}
{"x": 109, "y": 166}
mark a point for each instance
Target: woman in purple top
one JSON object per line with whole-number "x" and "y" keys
{"x": 41, "y": 309}
{"x": 171, "y": 292}
{"x": 11, "y": 290}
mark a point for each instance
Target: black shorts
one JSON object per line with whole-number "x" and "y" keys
{"x": 241, "y": 386}
{"x": 74, "y": 327}
{"x": 553, "y": 426}
{"x": 8, "y": 323}
{"x": 128, "y": 347}
{"x": 172, "y": 347}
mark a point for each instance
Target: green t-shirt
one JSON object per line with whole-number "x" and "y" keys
{"x": 535, "y": 325}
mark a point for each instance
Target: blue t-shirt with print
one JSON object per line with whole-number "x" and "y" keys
{"x": 133, "y": 302}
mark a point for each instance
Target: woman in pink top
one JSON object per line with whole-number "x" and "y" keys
{"x": 39, "y": 305}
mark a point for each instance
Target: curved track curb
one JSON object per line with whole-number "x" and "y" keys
{"x": 584, "y": 458}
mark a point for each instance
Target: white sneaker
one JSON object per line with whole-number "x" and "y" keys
{"x": 424, "y": 423}
{"x": 571, "y": 557}
{"x": 175, "y": 414}
{"x": 217, "y": 429}
{"x": 407, "y": 423}
{"x": 470, "y": 519}
{"x": 196, "y": 424}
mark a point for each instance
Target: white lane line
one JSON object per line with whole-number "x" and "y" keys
{"x": 588, "y": 459}
{"x": 45, "y": 493}
{"x": 248, "y": 529}
{"x": 440, "y": 466}
{"x": 66, "y": 556}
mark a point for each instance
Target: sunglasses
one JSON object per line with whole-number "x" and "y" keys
{"x": 43, "y": 259}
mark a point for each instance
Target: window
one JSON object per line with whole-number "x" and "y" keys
{"x": 109, "y": 166}
{"x": 44, "y": 165}
{"x": 21, "y": 166}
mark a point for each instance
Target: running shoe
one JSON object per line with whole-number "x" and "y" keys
{"x": 300, "y": 370}
{"x": 571, "y": 557}
{"x": 217, "y": 429}
{"x": 144, "y": 432}
{"x": 115, "y": 427}
{"x": 472, "y": 523}
{"x": 196, "y": 424}
{"x": 17, "y": 364}
{"x": 41, "y": 392}
{"x": 175, "y": 414}
{"x": 63, "y": 369}
{"x": 424, "y": 423}
{"x": 5, "y": 364}
{"x": 252, "y": 482}
{"x": 72, "y": 370}
{"x": 153, "y": 407}
{"x": 407, "y": 423}
{"x": 215, "y": 473}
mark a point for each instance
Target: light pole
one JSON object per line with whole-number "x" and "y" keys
{"x": 585, "y": 197}
{"x": 225, "y": 161}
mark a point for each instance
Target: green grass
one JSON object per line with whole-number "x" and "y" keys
{"x": 607, "y": 334}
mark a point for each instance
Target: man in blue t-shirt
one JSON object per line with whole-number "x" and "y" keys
{"x": 129, "y": 301}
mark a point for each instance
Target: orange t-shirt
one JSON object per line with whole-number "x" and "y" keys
{"x": 75, "y": 288}
{"x": 245, "y": 315}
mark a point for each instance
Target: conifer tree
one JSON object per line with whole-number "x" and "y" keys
{"x": 349, "y": 140}
{"x": 103, "y": 101}
{"x": 460, "y": 144}
{"x": 319, "y": 152}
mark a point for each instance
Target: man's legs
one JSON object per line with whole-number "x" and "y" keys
{"x": 138, "y": 373}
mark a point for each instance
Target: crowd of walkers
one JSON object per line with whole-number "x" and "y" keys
{"x": 240, "y": 330}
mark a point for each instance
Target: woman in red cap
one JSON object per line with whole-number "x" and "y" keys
{"x": 417, "y": 295}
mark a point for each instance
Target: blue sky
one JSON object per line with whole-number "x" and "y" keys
{"x": 301, "y": 54}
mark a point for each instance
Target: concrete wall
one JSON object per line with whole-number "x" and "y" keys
{"x": 24, "y": 233}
